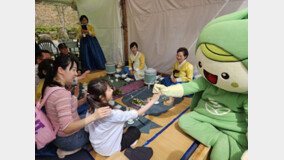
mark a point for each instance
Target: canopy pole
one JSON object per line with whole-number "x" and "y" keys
{"x": 125, "y": 30}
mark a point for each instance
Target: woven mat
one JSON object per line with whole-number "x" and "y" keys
{"x": 112, "y": 81}
{"x": 126, "y": 87}
{"x": 130, "y": 87}
{"x": 145, "y": 93}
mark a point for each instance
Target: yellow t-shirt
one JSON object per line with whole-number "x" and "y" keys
{"x": 38, "y": 90}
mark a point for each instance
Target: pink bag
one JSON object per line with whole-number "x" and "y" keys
{"x": 44, "y": 131}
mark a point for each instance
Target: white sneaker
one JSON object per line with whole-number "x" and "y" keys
{"x": 62, "y": 153}
{"x": 134, "y": 143}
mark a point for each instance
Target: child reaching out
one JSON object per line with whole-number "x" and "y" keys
{"x": 106, "y": 135}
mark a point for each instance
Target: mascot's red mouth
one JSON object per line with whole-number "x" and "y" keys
{"x": 210, "y": 77}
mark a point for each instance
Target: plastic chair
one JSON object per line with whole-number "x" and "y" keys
{"x": 45, "y": 44}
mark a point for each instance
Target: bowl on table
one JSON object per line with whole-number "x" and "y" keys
{"x": 117, "y": 106}
{"x": 123, "y": 76}
{"x": 118, "y": 70}
{"x": 158, "y": 76}
{"x": 111, "y": 102}
{"x": 116, "y": 75}
{"x": 127, "y": 79}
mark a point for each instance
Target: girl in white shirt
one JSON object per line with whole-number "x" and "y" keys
{"x": 106, "y": 135}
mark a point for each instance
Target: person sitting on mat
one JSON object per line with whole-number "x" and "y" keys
{"x": 61, "y": 107}
{"x": 40, "y": 55}
{"x": 106, "y": 135}
{"x": 137, "y": 65}
{"x": 182, "y": 72}
{"x": 45, "y": 66}
{"x": 64, "y": 51}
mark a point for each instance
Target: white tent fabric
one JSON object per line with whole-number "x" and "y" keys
{"x": 160, "y": 27}
{"x": 105, "y": 16}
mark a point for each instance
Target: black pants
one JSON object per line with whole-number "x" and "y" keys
{"x": 129, "y": 137}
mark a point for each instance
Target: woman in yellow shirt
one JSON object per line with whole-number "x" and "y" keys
{"x": 182, "y": 72}
{"x": 91, "y": 54}
{"x": 137, "y": 66}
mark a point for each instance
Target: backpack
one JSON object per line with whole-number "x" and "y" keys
{"x": 44, "y": 131}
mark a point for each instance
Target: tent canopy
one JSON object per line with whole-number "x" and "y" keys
{"x": 159, "y": 27}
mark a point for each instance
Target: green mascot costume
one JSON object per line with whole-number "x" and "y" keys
{"x": 219, "y": 108}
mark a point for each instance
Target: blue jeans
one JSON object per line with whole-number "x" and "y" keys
{"x": 125, "y": 70}
{"x": 72, "y": 142}
{"x": 167, "y": 81}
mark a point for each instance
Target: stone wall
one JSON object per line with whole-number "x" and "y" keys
{"x": 47, "y": 16}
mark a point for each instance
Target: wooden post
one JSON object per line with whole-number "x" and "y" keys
{"x": 125, "y": 30}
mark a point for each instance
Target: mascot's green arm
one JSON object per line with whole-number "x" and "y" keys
{"x": 194, "y": 86}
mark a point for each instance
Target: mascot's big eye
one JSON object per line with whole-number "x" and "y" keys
{"x": 225, "y": 75}
{"x": 199, "y": 64}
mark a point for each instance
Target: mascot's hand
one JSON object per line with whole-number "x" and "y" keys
{"x": 172, "y": 91}
{"x": 158, "y": 87}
